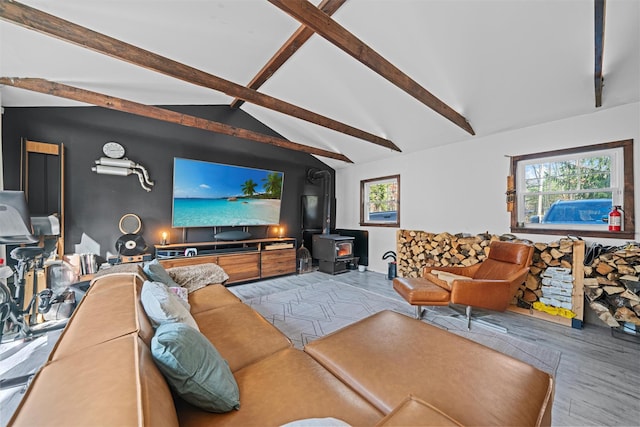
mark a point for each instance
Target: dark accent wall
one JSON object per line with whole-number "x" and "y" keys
{"x": 94, "y": 203}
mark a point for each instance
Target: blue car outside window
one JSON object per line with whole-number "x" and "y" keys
{"x": 590, "y": 211}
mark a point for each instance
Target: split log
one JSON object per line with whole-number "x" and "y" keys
{"x": 566, "y": 246}
{"x": 625, "y": 314}
{"x": 627, "y": 294}
{"x": 532, "y": 283}
{"x": 593, "y": 293}
{"x": 603, "y": 313}
{"x": 625, "y": 269}
{"x": 546, "y": 257}
{"x": 529, "y": 296}
{"x": 603, "y": 268}
{"x": 556, "y": 254}
{"x": 612, "y": 290}
{"x": 540, "y": 246}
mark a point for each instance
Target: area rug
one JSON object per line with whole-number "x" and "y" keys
{"x": 310, "y": 312}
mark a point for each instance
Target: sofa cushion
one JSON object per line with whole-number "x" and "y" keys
{"x": 240, "y": 334}
{"x": 194, "y": 368}
{"x": 495, "y": 389}
{"x": 210, "y": 297}
{"x": 120, "y": 269}
{"x": 115, "y": 383}
{"x": 194, "y": 277}
{"x": 110, "y": 309}
{"x": 433, "y": 278}
{"x": 492, "y": 269}
{"x": 156, "y": 272}
{"x": 444, "y": 279}
{"x": 415, "y": 411}
{"x": 420, "y": 291}
{"x": 287, "y": 386}
{"x": 163, "y": 306}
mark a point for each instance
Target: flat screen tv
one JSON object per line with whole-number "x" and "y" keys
{"x": 207, "y": 194}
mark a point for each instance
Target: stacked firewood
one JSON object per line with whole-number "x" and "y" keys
{"x": 612, "y": 285}
{"x": 418, "y": 249}
{"x": 611, "y": 279}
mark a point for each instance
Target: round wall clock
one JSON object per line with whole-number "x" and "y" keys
{"x": 113, "y": 150}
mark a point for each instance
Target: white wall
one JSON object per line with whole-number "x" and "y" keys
{"x": 461, "y": 187}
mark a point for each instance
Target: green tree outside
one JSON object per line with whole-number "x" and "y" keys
{"x": 381, "y": 198}
{"x": 576, "y": 179}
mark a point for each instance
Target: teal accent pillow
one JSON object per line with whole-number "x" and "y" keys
{"x": 194, "y": 369}
{"x": 157, "y": 273}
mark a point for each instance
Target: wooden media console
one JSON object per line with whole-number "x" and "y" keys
{"x": 242, "y": 260}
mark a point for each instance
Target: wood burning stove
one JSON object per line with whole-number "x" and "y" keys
{"x": 334, "y": 252}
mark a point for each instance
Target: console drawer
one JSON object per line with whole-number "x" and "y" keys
{"x": 240, "y": 266}
{"x": 278, "y": 262}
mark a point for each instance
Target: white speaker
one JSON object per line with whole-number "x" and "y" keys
{"x": 130, "y": 224}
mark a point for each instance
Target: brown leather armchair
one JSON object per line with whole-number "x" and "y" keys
{"x": 491, "y": 284}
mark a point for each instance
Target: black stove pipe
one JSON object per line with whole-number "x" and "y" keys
{"x": 313, "y": 175}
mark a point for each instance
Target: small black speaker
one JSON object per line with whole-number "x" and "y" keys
{"x": 232, "y": 235}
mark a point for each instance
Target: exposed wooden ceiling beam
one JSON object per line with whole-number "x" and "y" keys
{"x": 287, "y": 50}
{"x": 323, "y": 25}
{"x": 600, "y": 6}
{"x": 119, "y": 104}
{"x": 51, "y": 25}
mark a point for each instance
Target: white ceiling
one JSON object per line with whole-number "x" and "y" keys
{"x": 501, "y": 64}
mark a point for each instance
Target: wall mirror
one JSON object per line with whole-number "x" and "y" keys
{"x": 42, "y": 180}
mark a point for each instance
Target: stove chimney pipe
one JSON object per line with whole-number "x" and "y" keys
{"x": 313, "y": 175}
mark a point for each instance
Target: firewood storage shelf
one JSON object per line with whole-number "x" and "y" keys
{"x": 417, "y": 249}
{"x": 577, "y": 295}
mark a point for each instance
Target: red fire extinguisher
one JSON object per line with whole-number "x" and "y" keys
{"x": 615, "y": 218}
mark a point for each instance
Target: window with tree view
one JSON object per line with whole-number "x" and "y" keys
{"x": 572, "y": 191}
{"x": 380, "y": 201}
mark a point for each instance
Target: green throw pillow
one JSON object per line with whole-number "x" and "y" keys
{"x": 194, "y": 369}
{"x": 157, "y": 273}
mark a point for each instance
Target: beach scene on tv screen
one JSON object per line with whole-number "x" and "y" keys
{"x": 207, "y": 194}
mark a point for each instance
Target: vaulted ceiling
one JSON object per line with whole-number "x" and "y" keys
{"x": 389, "y": 75}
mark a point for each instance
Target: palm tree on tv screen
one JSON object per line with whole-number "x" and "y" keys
{"x": 273, "y": 185}
{"x": 249, "y": 187}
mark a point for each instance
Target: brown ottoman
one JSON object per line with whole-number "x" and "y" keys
{"x": 419, "y": 291}
{"x": 389, "y": 356}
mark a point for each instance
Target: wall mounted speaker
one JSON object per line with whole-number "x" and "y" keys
{"x": 130, "y": 224}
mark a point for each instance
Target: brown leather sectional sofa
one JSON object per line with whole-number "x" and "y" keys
{"x": 386, "y": 370}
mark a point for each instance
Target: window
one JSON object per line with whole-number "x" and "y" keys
{"x": 380, "y": 201}
{"x": 572, "y": 191}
